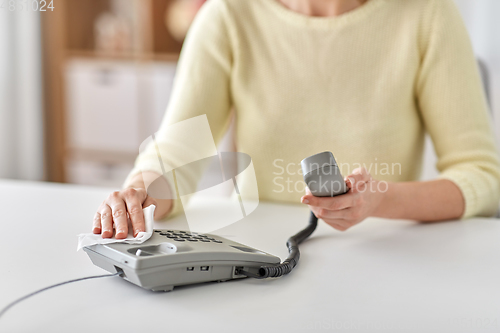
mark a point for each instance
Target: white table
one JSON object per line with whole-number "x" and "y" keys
{"x": 380, "y": 276}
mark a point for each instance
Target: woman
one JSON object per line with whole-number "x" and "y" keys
{"x": 363, "y": 79}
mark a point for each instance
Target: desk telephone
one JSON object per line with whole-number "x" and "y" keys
{"x": 173, "y": 258}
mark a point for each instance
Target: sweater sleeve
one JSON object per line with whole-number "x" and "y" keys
{"x": 201, "y": 86}
{"x": 453, "y": 106}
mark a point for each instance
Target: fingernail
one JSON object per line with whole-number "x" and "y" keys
{"x": 304, "y": 201}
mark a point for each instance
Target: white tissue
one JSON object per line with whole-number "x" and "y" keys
{"x": 92, "y": 239}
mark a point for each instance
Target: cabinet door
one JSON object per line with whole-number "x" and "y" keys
{"x": 102, "y": 101}
{"x": 155, "y": 88}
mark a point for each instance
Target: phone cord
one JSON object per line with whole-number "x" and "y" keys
{"x": 293, "y": 258}
{"x": 6, "y": 308}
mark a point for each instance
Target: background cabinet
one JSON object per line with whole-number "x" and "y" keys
{"x": 102, "y": 106}
{"x": 111, "y": 107}
{"x": 102, "y": 101}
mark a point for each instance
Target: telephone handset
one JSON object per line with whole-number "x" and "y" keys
{"x": 178, "y": 257}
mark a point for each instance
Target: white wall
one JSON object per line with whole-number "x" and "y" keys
{"x": 482, "y": 18}
{"x": 6, "y": 103}
{"x": 21, "y": 120}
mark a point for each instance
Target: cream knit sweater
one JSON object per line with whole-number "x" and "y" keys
{"x": 365, "y": 85}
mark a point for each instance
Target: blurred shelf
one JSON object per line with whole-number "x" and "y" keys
{"x": 165, "y": 56}
{"x": 70, "y": 33}
{"x": 170, "y": 57}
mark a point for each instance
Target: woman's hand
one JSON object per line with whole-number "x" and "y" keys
{"x": 117, "y": 208}
{"x": 346, "y": 210}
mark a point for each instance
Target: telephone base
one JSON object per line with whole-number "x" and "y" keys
{"x": 165, "y": 261}
{"x": 163, "y": 288}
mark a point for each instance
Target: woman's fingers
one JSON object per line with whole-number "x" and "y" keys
{"x": 106, "y": 221}
{"x": 96, "y": 226}
{"x": 335, "y": 219}
{"x": 148, "y": 202}
{"x": 338, "y": 224}
{"x": 133, "y": 201}
{"x": 340, "y": 219}
{"x": 332, "y": 203}
{"x": 120, "y": 207}
{"x": 358, "y": 177}
{"x": 326, "y": 214}
{"x": 343, "y": 211}
{"x": 119, "y": 213}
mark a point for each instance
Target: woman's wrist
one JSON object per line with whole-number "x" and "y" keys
{"x": 433, "y": 200}
{"x": 135, "y": 184}
{"x": 144, "y": 180}
{"x": 385, "y": 192}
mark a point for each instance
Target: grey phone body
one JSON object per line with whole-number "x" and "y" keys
{"x": 165, "y": 261}
{"x": 322, "y": 175}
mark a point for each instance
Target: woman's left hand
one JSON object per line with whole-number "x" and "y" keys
{"x": 346, "y": 210}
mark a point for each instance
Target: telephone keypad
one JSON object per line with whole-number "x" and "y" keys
{"x": 182, "y": 236}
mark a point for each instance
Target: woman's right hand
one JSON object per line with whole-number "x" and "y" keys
{"x": 117, "y": 208}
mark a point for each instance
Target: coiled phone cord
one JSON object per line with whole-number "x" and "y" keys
{"x": 293, "y": 258}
